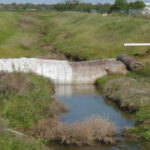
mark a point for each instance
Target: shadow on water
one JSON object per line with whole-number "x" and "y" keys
{"x": 84, "y": 101}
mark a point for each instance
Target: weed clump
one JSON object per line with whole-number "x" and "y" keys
{"x": 94, "y": 129}
{"x": 55, "y": 108}
{"x": 129, "y": 93}
{"x": 17, "y": 83}
{"x": 132, "y": 93}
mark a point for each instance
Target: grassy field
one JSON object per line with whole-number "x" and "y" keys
{"x": 80, "y": 36}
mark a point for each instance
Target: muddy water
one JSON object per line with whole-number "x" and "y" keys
{"x": 84, "y": 101}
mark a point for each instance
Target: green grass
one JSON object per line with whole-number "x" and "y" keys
{"x": 8, "y": 142}
{"x": 78, "y": 35}
{"x": 100, "y": 82}
{"x": 142, "y": 73}
{"x": 23, "y": 98}
{"x": 11, "y": 142}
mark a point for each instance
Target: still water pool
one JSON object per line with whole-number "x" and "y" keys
{"x": 85, "y": 101}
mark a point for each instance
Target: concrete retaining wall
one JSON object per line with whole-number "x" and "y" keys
{"x": 64, "y": 72}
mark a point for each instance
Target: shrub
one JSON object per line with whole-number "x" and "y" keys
{"x": 94, "y": 129}
{"x": 129, "y": 93}
{"x": 137, "y": 5}
{"x": 55, "y": 108}
{"x": 120, "y": 5}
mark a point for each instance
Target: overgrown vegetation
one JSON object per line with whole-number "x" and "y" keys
{"x": 90, "y": 131}
{"x": 27, "y": 105}
{"x": 23, "y": 101}
{"x": 131, "y": 92}
{"x": 11, "y": 142}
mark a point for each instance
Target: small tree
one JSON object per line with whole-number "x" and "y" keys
{"x": 137, "y": 5}
{"x": 120, "y": 5}
{"x": 72, "y": 1}
{"x": 71, "y": 4}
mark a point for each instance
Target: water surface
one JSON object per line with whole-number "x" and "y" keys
{"x": 84, "y": 101}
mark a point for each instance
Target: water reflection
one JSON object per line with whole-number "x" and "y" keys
{"x": 84, "y": 101}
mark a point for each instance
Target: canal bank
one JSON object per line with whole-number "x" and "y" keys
{"x": 85, "y": 101}
{"x": 131, "y": 93}
{"x": 76, "y": 119}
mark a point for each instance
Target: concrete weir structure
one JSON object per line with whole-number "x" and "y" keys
{"x": 64, "y": 72}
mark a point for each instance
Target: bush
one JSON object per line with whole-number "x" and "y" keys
{"x": 137, "y": 5}
{"x": 129, "y": 93}
{"x": 120, "y": 5}
{"x": 94, "y": 129}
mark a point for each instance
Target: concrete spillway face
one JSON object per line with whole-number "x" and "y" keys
{"x": 64, "y": 72}
{"x": 88, "y": 71}
{"x": 57, "y": 71}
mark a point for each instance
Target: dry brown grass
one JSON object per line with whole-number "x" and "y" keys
{"x": 13, "y": 82}
{"x": 55, "y": 108}
{"x": 94, "y": 129}
{"x": 129, "y": 93}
